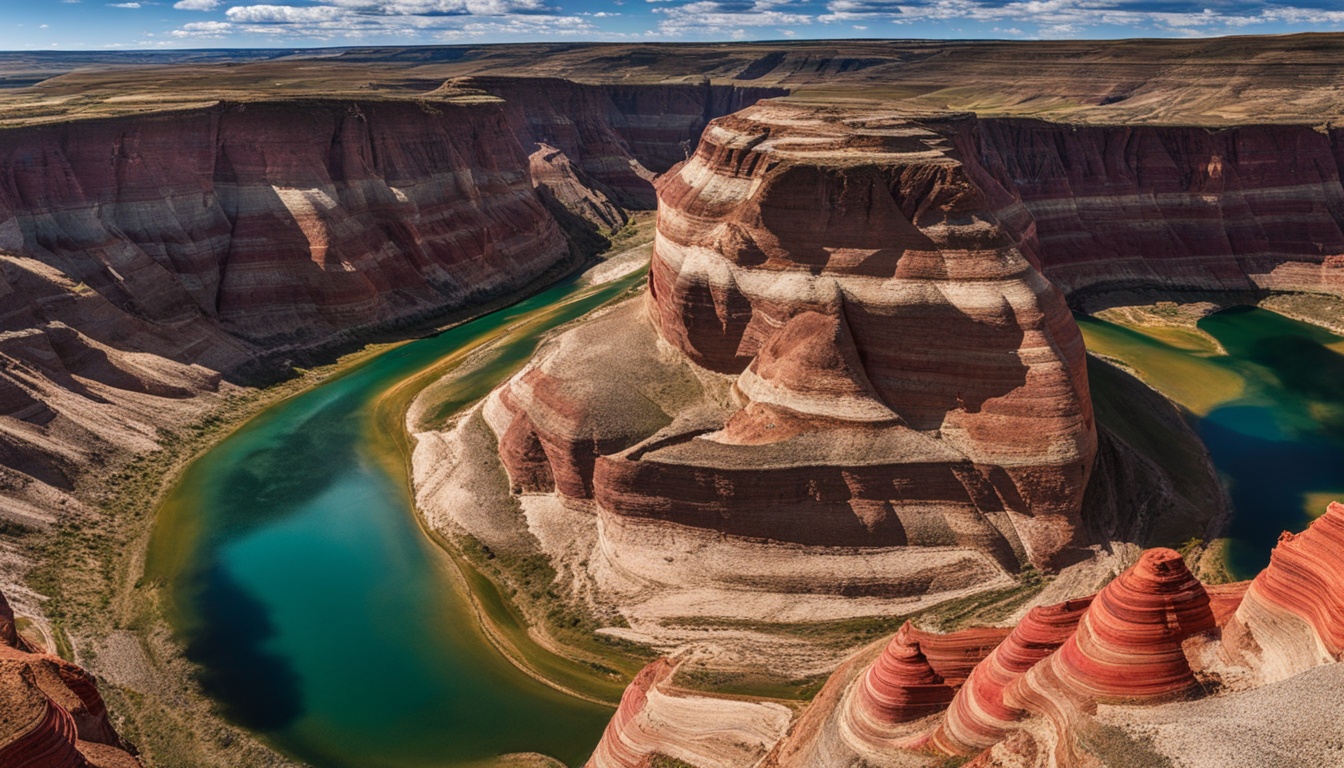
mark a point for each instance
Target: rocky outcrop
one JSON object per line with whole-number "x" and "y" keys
{"x": 1030, "y": 693}
{"x": 52, "y": 714}
{"x": 978, "y": 717}
{"x": 902, "y": 375}
{"x": 902, "y": 685}
{"x": 1127, "y": 649}
{"x": 1292, "y": 617}
{"x": 654, "y": 719}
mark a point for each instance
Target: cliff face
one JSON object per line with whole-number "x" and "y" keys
{"x": 899, "y": 372}
{"x": 619, "y": 136}
{"x": 53, "y": 715}
{"x": 1147, "y": 645}
{"x": 1250, "y": 207}
{"x": 280, "y": 223}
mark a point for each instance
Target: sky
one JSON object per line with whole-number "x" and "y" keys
{"x": 156, "y": 24}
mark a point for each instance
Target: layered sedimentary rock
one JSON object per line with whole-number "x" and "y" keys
{"x": 52, "y": 714}
{"x": 619, "y": 136}
{"x": 902, "y": 685}
{"x": 280, "y": 221}
{"x": 1292, "y": 617}
{"x": 901, "y": 374}
{"x": 978, "y": 716}
{"x": 654, "y": 720}
{"x": 1247, "y": 207}
{"x": 1128, "y": 643}
{"x": 1127, "y": 649}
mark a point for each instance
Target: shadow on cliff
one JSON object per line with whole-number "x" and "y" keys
{"x": 256, "y": 689}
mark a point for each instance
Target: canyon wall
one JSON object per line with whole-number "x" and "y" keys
{"x": 619, "y": 136}
{"x": 145, "y": 259}
{"x": 1255, "y": 207}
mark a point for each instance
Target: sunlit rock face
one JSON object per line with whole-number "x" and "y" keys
{"x": 51, "y": 714}
{"x": 978, "y": 717}
{"x": 654, "y": 719}
{"x": 900, "y": 374}
{"x": 1292, "y": 617}
{"x": 1238, "y": 208}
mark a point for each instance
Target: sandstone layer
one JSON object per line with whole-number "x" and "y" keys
{"x": 53, "y": 715}
{"x": 904, "y": 328}
{"x": 654, "y": 719}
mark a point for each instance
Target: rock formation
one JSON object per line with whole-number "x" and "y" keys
{"x": 655, "y": 719}
{"x": 53, "y": 715}
{"x": 978, "y": 717}
{"x": 1246, "y": 207}
{"x": 856, "y": 335}
{"x": 1292, "y": 617}
{"x": 902, "y": 685}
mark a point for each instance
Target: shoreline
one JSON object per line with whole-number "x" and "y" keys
{"x": 118, "y": 629}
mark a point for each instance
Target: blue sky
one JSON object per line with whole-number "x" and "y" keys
{"x": 131, "y": 24}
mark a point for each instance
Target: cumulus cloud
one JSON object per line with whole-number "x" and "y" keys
{"x": 196, "y": 5}
{"x": 204, "y": 29}
{"x": 356, "y": 19}
{"x": 1066, "y": 18}
{"x": 713, "y": 17}
{"x": 124, "y": 5}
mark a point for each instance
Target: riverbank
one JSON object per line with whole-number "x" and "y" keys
{"x": 1253, "y": 375}
{"x": 88, "y": 570}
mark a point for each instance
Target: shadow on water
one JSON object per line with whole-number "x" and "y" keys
{"x": 317, "y": 611}
{"x": 1274, "y": 429}
{"x": 258, "y": 689}
{"x": 1267, "y": 478}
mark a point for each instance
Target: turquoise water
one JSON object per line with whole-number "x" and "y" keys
{"x": 319, "y": 613}
{"x": 1270, "y": 410}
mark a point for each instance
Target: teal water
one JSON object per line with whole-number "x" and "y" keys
{"x": 1269, "y": 407}
{"x": 319, "y": 613}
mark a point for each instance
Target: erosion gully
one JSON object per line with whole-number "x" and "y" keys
{"x": 321, "y": 615}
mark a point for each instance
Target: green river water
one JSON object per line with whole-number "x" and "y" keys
{"x": 321, "y": 615}
{"x": 1269, "y": 405}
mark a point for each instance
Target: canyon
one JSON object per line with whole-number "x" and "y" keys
{"x": 847, "y": 444}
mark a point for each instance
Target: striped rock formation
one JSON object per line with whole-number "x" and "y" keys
{"x": 1127, "y": 649}
{"x": 51, "y": 714}
{"x": 1292, "y": 617}
{"x": 978, "y": 716}
{"x": 901, "y": 375}
{"x": 917, "y": 675}
{"x": 901, "y": 685}
{"x": 653, "y": 720}
{"x": 1235, "y": 208}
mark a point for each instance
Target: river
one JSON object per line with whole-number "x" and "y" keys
{"x": 321, "y": 616}
{"x": 1265, "y": 393}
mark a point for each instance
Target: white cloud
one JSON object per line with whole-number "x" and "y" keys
{"x": 208, "y": 29}
{"x": 124, "y": 5}
{"x": 712, "y": 17}
{"x": 196, "y": 5}
{"x": 43, "y": 26}
{"x": 443, "y": 19}
{"x": 1069, "y": 18}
